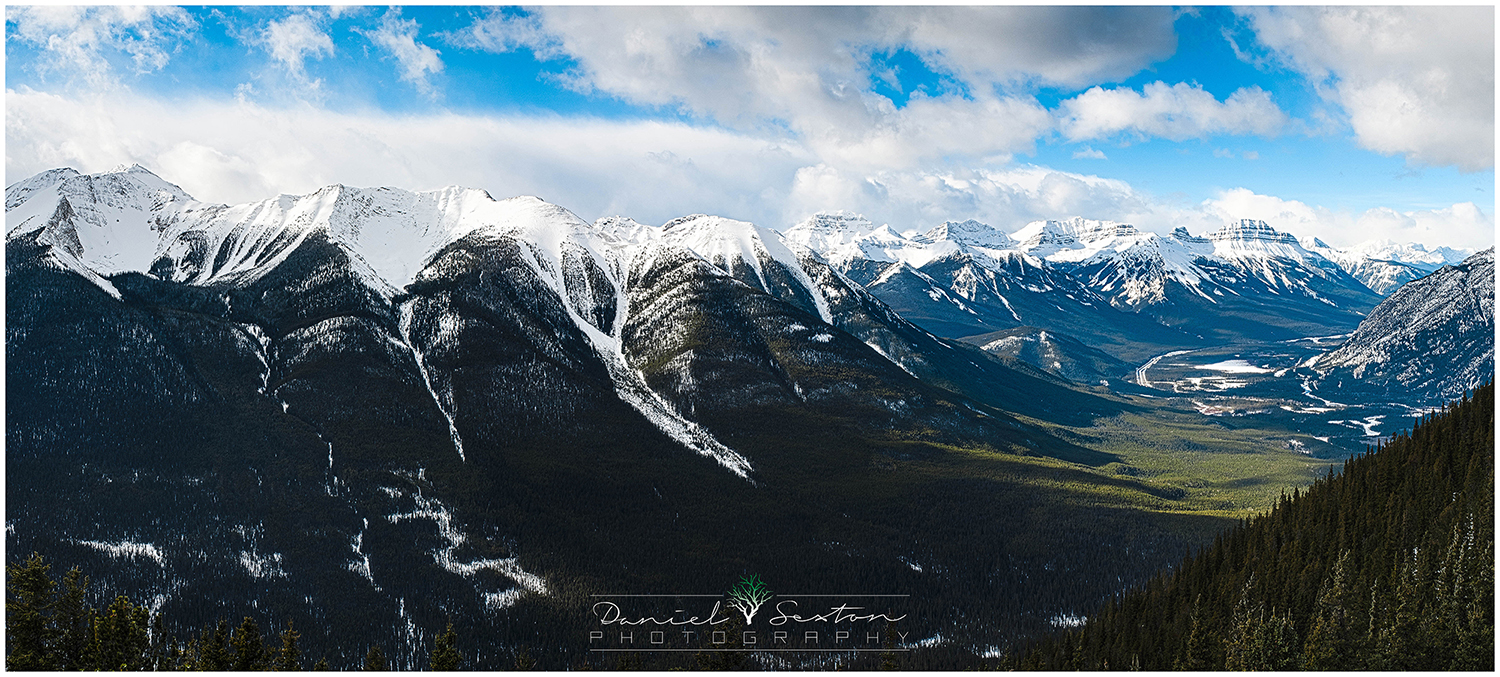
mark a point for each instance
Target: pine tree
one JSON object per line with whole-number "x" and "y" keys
{"x": 888, "y": 656}
{"x": 160, "y": 656}
{"x": 375, "y": 660}
{"x": 1242, "y": 651}
{"x": 321, "y": 665}
{"x": 121, "y": 640}
{"x": 1198, "y": 655}
{"x": 1378, "y": 617}
{"x": 213, "y": 651}
{"x": 1328, "y": 646}
{"x": 445, "y": 650}
{"x": 1402, "y": 646}
{"x": 1277, "y": 645}
{"x": 249, "y": 647}
{"x": 289, "y": 658}
{"x": 1386, "y": 564}
{"x": 629, "y": 661}
{"x": 29, "y": 599}
{"x": 71, "y": 621}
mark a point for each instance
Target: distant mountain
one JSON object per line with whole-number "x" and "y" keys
{"x": 1383, "y": 265}
{"x": 1245, "y": 280}
{"x": 1429, "y": 342}
{"x": 1126, "y": 292}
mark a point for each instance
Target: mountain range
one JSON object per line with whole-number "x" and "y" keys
{"x": 378, "y": 408}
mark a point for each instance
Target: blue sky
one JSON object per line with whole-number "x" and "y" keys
{"x": 1343, "y": 123}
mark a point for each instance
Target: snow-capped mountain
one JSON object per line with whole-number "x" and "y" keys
{"x": 1427, "y": 343}
{"x": 970, "y": 232}
{"x": 1103, "y": 282}
{"x": 1410, "y": 252}
{"x": 1245, "y": 280}
{"x": 400, "y": 406}
{"x": 1384, "y": 266}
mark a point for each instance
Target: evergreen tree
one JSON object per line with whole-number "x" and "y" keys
{"x": 445, "y": 650}
{"x": 121, "y": 640}
{"x": 1402, "y": 645}
{"x": 1277, "y": 645}
{"x": 1387, "y": 564}
{"x": 71, "y": 621}
{"x": 375, "y": 660}
{"x": 213, "y": 649}
{"x": 289, "y": 658}
{"x": 1328, "y": 643}
{"x": 1377, "y": 619}
{"x": 249, "y": 647}
{"x": 629, "y": 661}
{"x": 1242, "y": 649}
{"x": 888, "y": 657}
{"x": 29, "y": 599}
{"x": 159, "y": 656}
{"x": 321, "y": 665}
{"x": 1198, "y": 654}
{"x": 725, "y": 656}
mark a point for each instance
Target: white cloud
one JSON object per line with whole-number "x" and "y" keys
{"x": 1460, "y": 225}
{"x": 806, "y": 70}
{"x": 399, "y": 37}
{"x": 1089, "y": 154}
{"x": 500, "y": 32}
{"x": 295, "y": 38}
{"x": 652, "y": 171}
{"x": 1178, "y": 112}
{"x": 1417, "y": 81}
{"x": 87, "y": 44}
{"x": 238, "y": 152}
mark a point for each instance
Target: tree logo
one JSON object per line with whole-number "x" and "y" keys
{"x": 748, "y": 595}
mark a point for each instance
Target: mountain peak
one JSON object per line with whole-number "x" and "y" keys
{"x": 835, "y": 221}
{"x": 1180, "y": 233}
{"x": 131, "y": 168}
{"x": 1250, "y": 229}
{"x": 968, "y": 232}
{"x": 827, "y": 231}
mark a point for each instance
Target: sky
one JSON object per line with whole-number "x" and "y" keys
{"x": 1346, "y": 123}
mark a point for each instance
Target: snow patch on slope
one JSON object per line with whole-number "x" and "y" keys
{"x": 427, "y": 508}
{"x": 130, "y": 550}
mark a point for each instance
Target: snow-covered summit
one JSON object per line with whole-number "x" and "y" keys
{"x": 1051, "y": 235}
{"x": 1410, "y": 252}
{"x": 129, "y": 219}
{"x": 1252, "y": 239}
{"x": 1384, "y": 265}
{"x": 110, "y": 221}
{"x": 968, "y": 232}
{"x": 829, "y": 232}
{"x": 1250, "y": 229}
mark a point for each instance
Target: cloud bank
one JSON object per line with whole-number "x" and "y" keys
{"x": 653, "y": 171}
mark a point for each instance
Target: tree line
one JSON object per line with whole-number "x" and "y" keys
{"x": 49, "y": 625}
{"x": 1387, "y": 565}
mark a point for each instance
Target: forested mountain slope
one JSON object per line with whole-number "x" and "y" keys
{"x": 1388, "y": 565}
